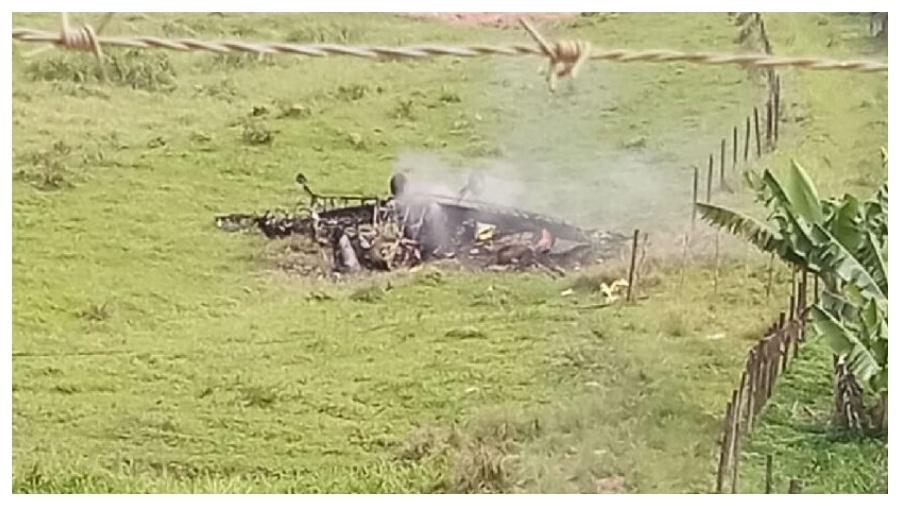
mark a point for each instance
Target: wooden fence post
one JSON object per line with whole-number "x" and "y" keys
{"x": 767, "y": 44}
{"x": 723, "y": 451}
{"x": 816, "y": 288}
{"x": 769, "y": 125}
{"x": 794, "y": 487}
{"x": 804, "y": 279}
{"x": 779, "y": 340}
{"x": 777, "y": 105}
{"x": 835, "y": 385}
{"x": 801, "y": 305}
{"x": 760, "y": 379}
{"x": 694, "y": 196}
{"x": 767, "y": 375}
{"x": 774, "y": 361}
{"x": 738, "y": 397}
{"x": 793, "y": 301}
{"x": 776, "y": 347}
{"x": 787, "y": 336}
{"x": 709, "y": 178}
{"x": 722, "y": 165}
{"x": 640, "y": 263}
{"x": 634, "y": 245}
{"x": 751, "y": 388}
{"x": 747, "y": 140}
{"x": 768, "y": 474}
{"x": 734, "y": 146}
{"x": 767, "y": 387}
{"x": 756, "y": 131}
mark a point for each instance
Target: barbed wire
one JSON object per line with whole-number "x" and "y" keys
{"x": 570, "y": 55}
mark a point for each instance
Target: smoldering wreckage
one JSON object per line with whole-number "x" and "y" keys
{"x": 406, "y": 228}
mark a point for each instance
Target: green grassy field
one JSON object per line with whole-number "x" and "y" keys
{"x": 153, "y": 352}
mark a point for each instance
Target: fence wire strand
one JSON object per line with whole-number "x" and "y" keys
{"x": 67, "y": 38}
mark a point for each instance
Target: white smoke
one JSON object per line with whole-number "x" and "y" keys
{"x": 620, "y": 194}
{"x": 561, "y": 155}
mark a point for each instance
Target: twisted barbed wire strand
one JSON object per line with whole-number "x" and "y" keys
{"x": 567, "y": 56}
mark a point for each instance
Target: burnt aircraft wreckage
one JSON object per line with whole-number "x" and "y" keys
{"x": 407, "y": 228}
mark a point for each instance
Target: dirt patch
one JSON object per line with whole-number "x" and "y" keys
{"x": 500, "y": 19}
{"x": 611, "y": 485}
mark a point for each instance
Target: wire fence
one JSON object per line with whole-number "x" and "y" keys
{"x": 766, "y": 362}
{"x": 743, "y": 144}
{"x": 565, "y": 56}
{"x": 779, "y": 346}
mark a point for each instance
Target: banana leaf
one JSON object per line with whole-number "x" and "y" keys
{"x": 860, "y": 361}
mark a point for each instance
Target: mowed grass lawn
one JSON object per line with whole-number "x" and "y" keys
{"x": 153, "y": 352}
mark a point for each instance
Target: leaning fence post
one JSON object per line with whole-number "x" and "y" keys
{"x": 779, "y": 338}
{"x": 751, "y": 388}
{"x": 760, "y": 377}
{"x": 768, "y": 368}
{"x": 634, "y": 245}
{"x": 773, "y": 367}
{"x": 738, "y": 402}
{"x": 756, "y": 130}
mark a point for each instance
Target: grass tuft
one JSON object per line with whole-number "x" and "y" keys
{"x": 143, "y": 70}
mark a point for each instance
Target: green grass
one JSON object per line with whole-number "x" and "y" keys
{"x": 153, "y": 352}
{"x": 837, "y": 121}
{"x": 794, "y": 430}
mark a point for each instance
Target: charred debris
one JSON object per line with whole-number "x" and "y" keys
{"x": 407, "y": 228}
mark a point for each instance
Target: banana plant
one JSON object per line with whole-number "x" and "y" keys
{"x": 842, "y": 241}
